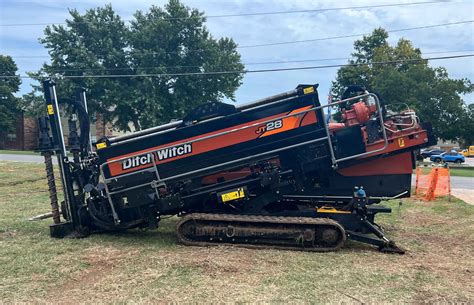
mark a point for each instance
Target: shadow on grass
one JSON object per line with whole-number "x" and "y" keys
{"x": 155, "y": 238}
{"x": 168, "y": 239}
{"x": 163, "y": 237}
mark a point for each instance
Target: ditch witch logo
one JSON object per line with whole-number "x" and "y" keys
{"x": 162, "y": 154}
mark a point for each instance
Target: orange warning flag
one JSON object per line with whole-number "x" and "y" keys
{"x": 435, "y": 184}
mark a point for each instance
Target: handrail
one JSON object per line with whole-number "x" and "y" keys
{"x": 333, "y": 159}
{"x": 237, "y": 129}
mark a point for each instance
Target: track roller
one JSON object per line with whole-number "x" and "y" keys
{"x": 293, "y": 233}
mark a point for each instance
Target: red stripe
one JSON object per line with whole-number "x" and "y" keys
{"x": 203, "y": 146}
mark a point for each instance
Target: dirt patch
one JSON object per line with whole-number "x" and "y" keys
{"x": 415, "y": 218}
{"x": 7, "y": 233}
{"x": 116, "y": 275}
{"x": 443, "y": 253}
{"x": 211, "y": 273}
{"x": 99, "y": 262}
{"x": 215, "y": 261}
{"x": 190, "y": 274}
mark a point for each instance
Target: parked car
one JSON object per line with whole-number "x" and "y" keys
{"x": 468, "y": 152}
{"x": 452, "y": 156}
{"x": 427, "y": 153}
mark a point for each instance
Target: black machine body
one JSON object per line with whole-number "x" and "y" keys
{"x": 233, "y": 173}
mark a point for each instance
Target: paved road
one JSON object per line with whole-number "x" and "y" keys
{"x": 466, "y": 195}
{"x": 456, "y": 182}
{"x": 462, "y": 183}
{"x": 24, "y": 158}
{"x": 469, "y": 161}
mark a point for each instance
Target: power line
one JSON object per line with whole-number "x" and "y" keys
{"x": 331, "y": 9}
{"x": 258, "y": 13}
{"x": 354, "y": 35}
{"x": 246, "y": 64}
{"x": 286, "y": 42}
{"x": 340, "y": 58}
{"x": 255, "y": 71}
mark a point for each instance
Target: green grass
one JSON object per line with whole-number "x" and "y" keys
{"x": 461, "y": 172}
{"x": 150, "y": 266}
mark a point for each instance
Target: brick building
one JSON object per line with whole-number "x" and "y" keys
{"x": 23, "y": 137}
{"x": 25, "y": 134}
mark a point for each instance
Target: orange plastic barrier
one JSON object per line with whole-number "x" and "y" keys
{"x": 435, "y": 184}
{"x": 443, "y": 184}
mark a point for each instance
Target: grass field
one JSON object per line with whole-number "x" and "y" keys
{"x": 461, "y": 172}
{"x": 149, "y": 266}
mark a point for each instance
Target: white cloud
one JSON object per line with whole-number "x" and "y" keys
{"x": 271, "y": 28}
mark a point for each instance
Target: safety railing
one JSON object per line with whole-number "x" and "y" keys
{"x": 327, "y": 138}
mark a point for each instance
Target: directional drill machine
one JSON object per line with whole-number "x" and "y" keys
{"x": 271, "y": 173}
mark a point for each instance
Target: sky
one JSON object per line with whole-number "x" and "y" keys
{"x": 18, "y": 41}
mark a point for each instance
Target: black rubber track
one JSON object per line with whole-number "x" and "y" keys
{"x": 267, "y": 221}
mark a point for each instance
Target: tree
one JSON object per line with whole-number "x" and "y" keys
{"x": 466, "y": 132}
{"x": 8, "y": 86}
{"x": 435, "y": 96}
{"x": 160, "y": 41}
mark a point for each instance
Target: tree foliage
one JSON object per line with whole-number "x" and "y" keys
{"x": 8, "y": 86}
{"x": 166, "y": 40}
{"x": 435, "y": 96}
{"x": 468, "y": 128}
